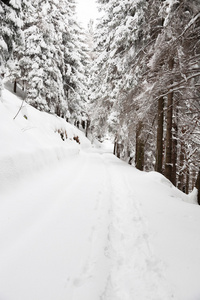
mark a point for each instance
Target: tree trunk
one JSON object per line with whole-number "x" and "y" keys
{"x": 174, "y": 154}
{"x": 168, "y": 158}
{"x": 198, "y": 187}
{"x": 159, "y": 147}
{"x": 187, "y": 182}
{"x": 15, "y": 87}
{"x": 139, "y": 154}
{"x": 83, "y": 124}
{"x": 117, "y": 149}
{"x": 115, "y": 146}
{"x": 57, "y": 110}
{"x": 87, "y": 128}
{"x": 193, "y": 178}
{"x": 181, "y": 164}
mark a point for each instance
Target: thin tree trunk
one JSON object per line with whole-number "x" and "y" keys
{"x": 187, "y": 182}
{"x": 168, "y": 158}
{"x": 198, "y": 187}
{"x": 15, "y": 87}
{"x": 58, "y": 110}
{"x": 159, "y": 147}
{"x": 115, "y": 146}
{"x": 174, "y": 154}
{"x": 181, "y": 164}
{"x": 175, "y": 147}
{"x": 193, "y": 179}
{"x": 139, "y": 154}
{"x": 118, "y": 150}
{"x": 87, "y": 128}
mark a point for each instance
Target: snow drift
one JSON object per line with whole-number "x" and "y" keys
{"x": 33, "y": 139}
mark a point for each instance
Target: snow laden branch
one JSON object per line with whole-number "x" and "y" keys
{"x": 192, "y": 21}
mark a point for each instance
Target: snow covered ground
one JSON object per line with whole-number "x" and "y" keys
{"x": 77, "y": 223}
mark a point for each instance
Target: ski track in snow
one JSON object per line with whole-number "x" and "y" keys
{"x": 73, "y": 239}
{"x": 93, "y": 269}
{"x": 135, "y": 271}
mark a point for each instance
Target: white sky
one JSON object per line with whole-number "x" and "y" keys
{"x": 86, "y": 10}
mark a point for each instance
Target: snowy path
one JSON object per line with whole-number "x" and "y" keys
{"x": 53, "y": 233}
{"x": 77, "y": 231}
{"x": 135, "y": 272}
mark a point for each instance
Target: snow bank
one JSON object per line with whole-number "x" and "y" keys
{"x": 174, "y": 223}
{"x": 33, "y": 140}
{"x": 169, "y": 189}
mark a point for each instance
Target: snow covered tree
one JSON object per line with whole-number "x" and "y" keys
{"x": 147, "y": 75}
{"x": 119, "y": 34}
{"x": 76, "y": 61}
{"x": 173, "y": 42}
{"x": 10, "y": 27}
{"x": 53, "y": 61}
{"x": 41, "y": 60}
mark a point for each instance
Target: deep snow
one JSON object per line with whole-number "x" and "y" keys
{"x": 77, "y": 223}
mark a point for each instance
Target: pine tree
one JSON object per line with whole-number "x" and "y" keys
{"x": 53, "y": 62}
{"x": 10, "y": 28}
{"x": 76, "y": 60}
{"x": 118, "y": 39}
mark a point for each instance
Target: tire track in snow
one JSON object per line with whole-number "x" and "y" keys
{"x": 135, "y": 272}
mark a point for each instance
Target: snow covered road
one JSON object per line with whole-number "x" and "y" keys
{"x": 53, "y": 233}
{"x": 78, "y": 230}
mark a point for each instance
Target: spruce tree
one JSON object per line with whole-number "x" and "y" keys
{"x": 52, "y": 64}
{"x": 10, "y": 28}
